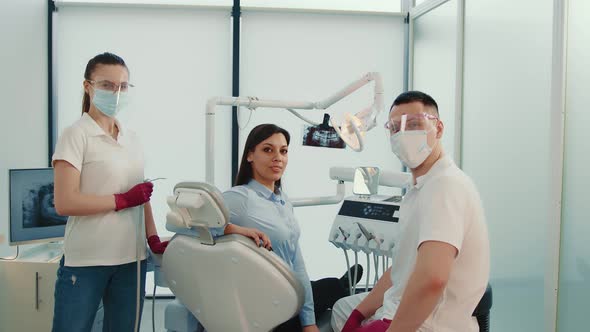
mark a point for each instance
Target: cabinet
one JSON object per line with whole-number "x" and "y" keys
{"x": 27, "y": 285}
{"x": 26, "y": 295}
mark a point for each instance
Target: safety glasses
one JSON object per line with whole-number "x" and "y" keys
{"x": 408, "y": 122}
{"x": 111, "y": 86}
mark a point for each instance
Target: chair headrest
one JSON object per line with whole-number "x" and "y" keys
{"x": 197, "y": 203}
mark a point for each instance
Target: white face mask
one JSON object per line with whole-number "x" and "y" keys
{"x": 108, "y": 102}
{"x": 411, "y": 147}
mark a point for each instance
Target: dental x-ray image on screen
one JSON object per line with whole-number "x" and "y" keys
{"x": 39, "y": 206}
{"x": 33, "y": 215}
{"x": 325, "y": 137}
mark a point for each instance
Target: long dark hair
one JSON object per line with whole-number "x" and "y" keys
{"x": 256, "y": 136}
{"x": 105, "y": 58}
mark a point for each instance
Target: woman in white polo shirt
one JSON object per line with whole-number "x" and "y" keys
{"x": 99, "y": 172}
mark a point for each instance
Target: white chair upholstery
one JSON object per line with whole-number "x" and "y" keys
{"x": 229, "y": 284}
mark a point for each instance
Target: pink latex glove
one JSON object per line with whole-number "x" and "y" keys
{"x": 375, "y": 326}
{"x": 156, "y": 246}
{"x": 354, "y": 321}
{"x": 139, "y": 194}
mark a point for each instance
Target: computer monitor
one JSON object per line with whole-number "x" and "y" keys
{"x": 33, "y": 217}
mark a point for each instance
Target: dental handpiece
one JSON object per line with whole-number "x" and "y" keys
{"x": 368, "y": 235}
{"x": 152, "y": 180}
{"x": 344, "y": 233}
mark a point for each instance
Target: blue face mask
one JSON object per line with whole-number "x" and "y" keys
{"x": 109, "y": 103}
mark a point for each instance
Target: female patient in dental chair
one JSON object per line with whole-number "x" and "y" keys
{"x": 260, "y": 210}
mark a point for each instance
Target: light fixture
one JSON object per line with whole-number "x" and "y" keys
{"x": 352, "y": 130}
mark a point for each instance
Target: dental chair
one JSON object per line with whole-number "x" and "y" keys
{"x": 228, "y": 283}
{"x": 482, "y": 311}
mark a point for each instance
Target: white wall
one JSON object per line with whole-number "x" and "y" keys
{"x": 308, "y": 57}
{"x": 23, "y": 92}
{"x": 574, "y": 273}
{"x": 507, "y": 84}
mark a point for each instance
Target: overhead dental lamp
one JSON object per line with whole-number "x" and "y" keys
{"x": 351, "y": 130}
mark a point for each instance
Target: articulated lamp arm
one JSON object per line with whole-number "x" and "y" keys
{"x": 351, "y": 130}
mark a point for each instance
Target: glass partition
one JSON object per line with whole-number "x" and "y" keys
{"x": 507, "y": 81}
{"x": 178, "y": 59}
{"x": 435, "y": 64}
{"x": 385, "y": 6}
{"x": 308, "y": 57}
{"x": 574, "y": 273}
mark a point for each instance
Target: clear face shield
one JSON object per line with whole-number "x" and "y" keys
{"x": 110, "y": 97}
{"x": 410, "y": 122}
{"x": 408, "y": 137}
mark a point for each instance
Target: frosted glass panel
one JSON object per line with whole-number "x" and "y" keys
{"x": 391, "y": 6}
{"x": 210, "y": 3}
{"x": 574, "y": 273}
{"x": 505, "y": 147}
{"x": 177, "y": 60}
{"x": 23, "y": 82}
{"x": 435, "y": 53}
{"x": 309, "y": 57}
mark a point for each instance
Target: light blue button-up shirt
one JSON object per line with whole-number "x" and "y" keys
{"x": 254, "y": 205}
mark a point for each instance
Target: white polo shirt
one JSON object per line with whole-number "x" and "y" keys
{"x": 107, "y": 167}
{"x": 444, "y": 206}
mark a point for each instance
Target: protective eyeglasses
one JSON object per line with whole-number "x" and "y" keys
{"x": 409, "y": 122}
{"x": 111, "y": 86}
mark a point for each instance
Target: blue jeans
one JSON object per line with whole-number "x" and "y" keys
{"x": 78, "y": 291}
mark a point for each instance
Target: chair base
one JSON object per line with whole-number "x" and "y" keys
{"x": 484, "y": 322}
{"x": 177, "y": 318}
{"x": 324, "y": 321}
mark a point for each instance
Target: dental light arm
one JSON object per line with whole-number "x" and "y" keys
{"x": 386, "y": 178}
{"x": 346, "y": 174}
{"x": 351, "y": 130}
{"x": 322, "y": 200}
{"x": 352, "y": 87}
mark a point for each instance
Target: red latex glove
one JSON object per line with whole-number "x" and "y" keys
{"x": 139, "y": 194}
{"x": 156, "y": 246}
{"x": 354, "y": 321}
{"x": 375, "y": 326}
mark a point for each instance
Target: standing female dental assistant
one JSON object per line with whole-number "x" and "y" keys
{"x": 99, "y": 173}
